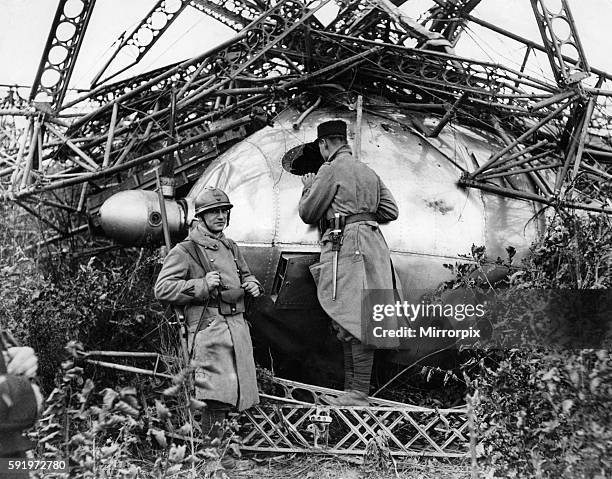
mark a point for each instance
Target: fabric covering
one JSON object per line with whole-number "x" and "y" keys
{"x": 222, "y": 344}
{"x": 348, "y": 186}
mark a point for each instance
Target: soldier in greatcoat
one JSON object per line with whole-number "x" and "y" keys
{"x": 208, "y": 275}
{"x": 348, "y": 188}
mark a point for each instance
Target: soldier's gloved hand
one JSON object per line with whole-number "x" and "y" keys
{"x": 22, "y": 360}
{"x": 252, "y": 288}
{"x": 213, "y": 280}
{"x": 308, "y": 179}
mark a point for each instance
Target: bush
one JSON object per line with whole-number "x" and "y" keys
{"x": 128, "y": 432}
{"x": 544, "y": 412}
{"x": 104, "y": 304}
{"x": 48, "y": 300}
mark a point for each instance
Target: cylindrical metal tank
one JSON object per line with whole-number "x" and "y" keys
{"x": 133, "y": 217}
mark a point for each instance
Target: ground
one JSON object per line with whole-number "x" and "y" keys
{"x": 320, "y": 467}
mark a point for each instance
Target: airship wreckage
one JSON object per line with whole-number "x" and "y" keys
{"x": 471, "y": 150}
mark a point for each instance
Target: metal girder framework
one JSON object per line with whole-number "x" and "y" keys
{"x": 365, "y": 19}
{"x": 150, "y": 29}
{"x": 223, "y": 63}
{"x": 381, "y": 20}
{"x": 285, "y": 57}
{"x": 448, "y": 17}
{"x": 144, "y": 35}
{"x": 12, "y": 100}
{"x": 553, "y": 172}
{"x": 187, "y": 169}
{"x": 284, "y": 424}
{"x": 61, "y": 50}
{"x": 204, "y": 83}
{"x": 601, "y": 123}
{"x": 439, "y": 73}
{"x": 555, "y": 169}
{"x": 431, "y": 70}
{"x": 235, "y": 14}
{"x": 9, "y": 129}
{"x": 560, "y": 38}
{"x": 234, "y": 71}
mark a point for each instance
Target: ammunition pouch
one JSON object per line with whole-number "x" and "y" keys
{"x": 231, "y": 301}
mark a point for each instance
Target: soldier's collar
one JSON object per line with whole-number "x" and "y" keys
{"x": 341, "y": 149}
{"x": 200, "y": 235}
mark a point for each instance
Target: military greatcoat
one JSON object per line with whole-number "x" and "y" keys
{"x": 347, "y": 186}
{"x": 223, "y": 343}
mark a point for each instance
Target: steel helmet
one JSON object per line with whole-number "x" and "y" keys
{"x": 209, "y": 198}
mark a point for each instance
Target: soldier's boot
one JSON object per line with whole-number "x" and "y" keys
{"x": 228, "y": 462}
{"x": 342, "y": 334}
{"x": 348, "y": 366}
{"x": 363, "y": 359}
{"x": 348, "y": 372}
{"x": 349, "y": 398}
{"x": 212, "y": 422}
{"x": 212, "y": 426}
{"x": 358, "y": 387}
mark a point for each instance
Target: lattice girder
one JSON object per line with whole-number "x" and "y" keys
{"x": 284, "y": 53}
{"x": 560, "y": 37}
{"x": 235, "y": 14}
{"x": 448, "y": 17}
{"x": 61, "y": 51}
{"x": 285, "y": 424}
{"x": 142, "y": 38}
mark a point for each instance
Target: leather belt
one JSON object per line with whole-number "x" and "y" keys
{"x": 347, "y": 220}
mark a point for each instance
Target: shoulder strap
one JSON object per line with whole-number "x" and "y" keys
{"x": 197, "y": 255}
{"x": 234, "y": 250}
{"x": 233, "y": 247}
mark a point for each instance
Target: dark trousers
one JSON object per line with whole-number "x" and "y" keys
{"x": 213, "y": 417}
{"x": 358, "y": 362}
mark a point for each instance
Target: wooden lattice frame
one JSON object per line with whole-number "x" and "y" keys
{"x": 289, "y": 425}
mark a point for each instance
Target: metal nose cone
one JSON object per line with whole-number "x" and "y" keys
{"x": 133, "y": 218}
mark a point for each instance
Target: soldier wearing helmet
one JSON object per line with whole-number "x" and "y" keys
{"x": 208, "y": 275}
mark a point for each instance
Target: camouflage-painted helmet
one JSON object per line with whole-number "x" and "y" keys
{"x": 209, "y": 198}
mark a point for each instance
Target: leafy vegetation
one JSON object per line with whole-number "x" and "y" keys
{"x": 128, "y": 432}
{"x": 543, "y": 410}
{"x": 538, "y": 411}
